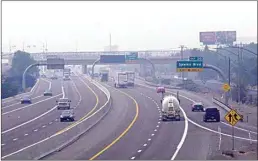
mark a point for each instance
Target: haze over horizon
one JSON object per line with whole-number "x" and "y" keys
{"x": 85, "y": 26}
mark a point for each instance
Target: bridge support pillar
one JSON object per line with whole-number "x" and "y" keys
{"x": 142, "y": 72}
{"x": 84, "y": 69}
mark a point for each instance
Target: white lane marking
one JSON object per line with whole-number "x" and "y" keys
{"x": 133, "y": 158}
{"x": 155, "y": 130}
{"x": 80, "y": 97}
{"x": 158, "y": 122}
{"x": 139, "y": 151}
{"x": 149, "y": 139}
{"x": 20, "y": 102}
{"x": 66, "y": 129}
{"x": 159, "y": 119}
{"x": 30, "y": 105}
{"x": 2, "y": 144}
{"x": 19, "y": 117}
{"x": 184, "y": 134}
{"x": 144, "y": 144}
{"x": 152, "y": 134}
{"x": 203, "y": 127}
{"x": 15, "y": 139}
{"x": 44, "y": 126}
{"x": 50, "y": 122}
{"x": 229, "y": 135}
{"x": 12, "y": 98}
{"x": 29, "y": 120}
{"x": 239, "y": 128}
{"x": 50, "y": 83}
{"x": 250, "y": 137}
{"x": 219, "y": 130}
{"x": 56, "y": 119}
{"x": 63, "y": 92}
{"x": 35, "y": 130}
{"x": 26, "y": 134}
{"x": 157, "y": 126}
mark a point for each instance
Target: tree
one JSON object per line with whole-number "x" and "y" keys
{"x": 20, "y": 62}
{"x": 12, "y": 84}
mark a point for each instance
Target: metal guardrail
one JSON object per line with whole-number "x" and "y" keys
{"x": 221, "y": 104}
{"x": 72, "y": 140}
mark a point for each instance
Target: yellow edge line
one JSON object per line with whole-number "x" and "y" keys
{"x": 125, "y": 131}
{"x": 74, "y": 124}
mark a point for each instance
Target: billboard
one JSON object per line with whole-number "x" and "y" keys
{"x": 208, "y": 38}
{"x": 218, "y": 37}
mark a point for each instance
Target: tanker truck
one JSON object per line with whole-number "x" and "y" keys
{"x": 170, "y": 108}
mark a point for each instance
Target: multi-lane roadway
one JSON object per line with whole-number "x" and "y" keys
{"x": 131, "y": 129}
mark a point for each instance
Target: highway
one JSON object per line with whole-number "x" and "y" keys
{"x": 132, "y": 129}
{"x": 30, "y": 132}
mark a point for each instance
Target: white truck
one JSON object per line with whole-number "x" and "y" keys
{"x": 63, "y": 104}
{"x": 170, "y": 108}
{"x": 130, "y": 78}
{"x": 120, "y": 80}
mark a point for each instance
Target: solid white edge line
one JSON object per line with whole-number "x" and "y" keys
{"x": 17, "y": 109}
{"x": 239, "y": 128}
{"x": 80, "y": 97}
{"x": 19, "y": 102}
{"x": 7, "y": 99}
{"x": 29, "y": 120}
{"x": 196, "y": 124}
{"x": 55, "y": 134}
{"x": 184, "y": 135}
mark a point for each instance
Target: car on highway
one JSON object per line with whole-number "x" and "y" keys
{"x": 54, "y": 77}
{"x": 211, "y": 114}
{"x": 66, "y": 77}
{"x": 43, "y": 76}
{"x": 48, "y": 93}
{"x": 67, "y": 115}
{"x": 161, "y": 90}
{"x": 63, "y": 104}
{"x": 25, "y": 99}
{"x": 198, "y": 106}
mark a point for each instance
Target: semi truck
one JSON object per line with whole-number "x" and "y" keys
{"x": 120, "y": 80}
{"x": 170, "y": 108}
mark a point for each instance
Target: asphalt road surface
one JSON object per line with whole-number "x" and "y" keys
{"x": 36, "y": 127}
{"x": 132, "y": 129}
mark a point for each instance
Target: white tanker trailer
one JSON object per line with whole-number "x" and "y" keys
{"x": 170, "y": 108}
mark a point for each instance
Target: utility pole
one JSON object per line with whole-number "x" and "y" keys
{"x": 182, "y": 74}
{"x": 110, "y": 42}
{"x": 229, "y": 79}
{"x": 23, "y": 46}
{"x": 239, "y": 75}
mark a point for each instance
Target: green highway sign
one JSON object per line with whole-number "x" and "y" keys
{"x": 191, "y": 58}
{"x": 131, "y": 57}
{"x": 189, "y": 66}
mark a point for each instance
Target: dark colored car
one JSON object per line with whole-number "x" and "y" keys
{"x": 43, "y": 76}
{"x": 25, "y": 99}
{"x": 198, "y": 106}
{"x": 67, "y": 115}
{"x": 48, "y": 93}
{"x": 211, "y": 114}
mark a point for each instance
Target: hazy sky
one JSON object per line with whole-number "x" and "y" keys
{"x": 134, "y": 25}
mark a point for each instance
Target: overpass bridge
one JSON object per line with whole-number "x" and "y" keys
{"x": 88, "y": 58}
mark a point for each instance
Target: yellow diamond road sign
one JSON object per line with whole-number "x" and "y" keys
{"x": 226, "y": 87}
{"x": 232, "y": 117}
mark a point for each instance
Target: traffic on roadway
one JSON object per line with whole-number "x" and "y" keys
{"x": 143, "y": 100}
